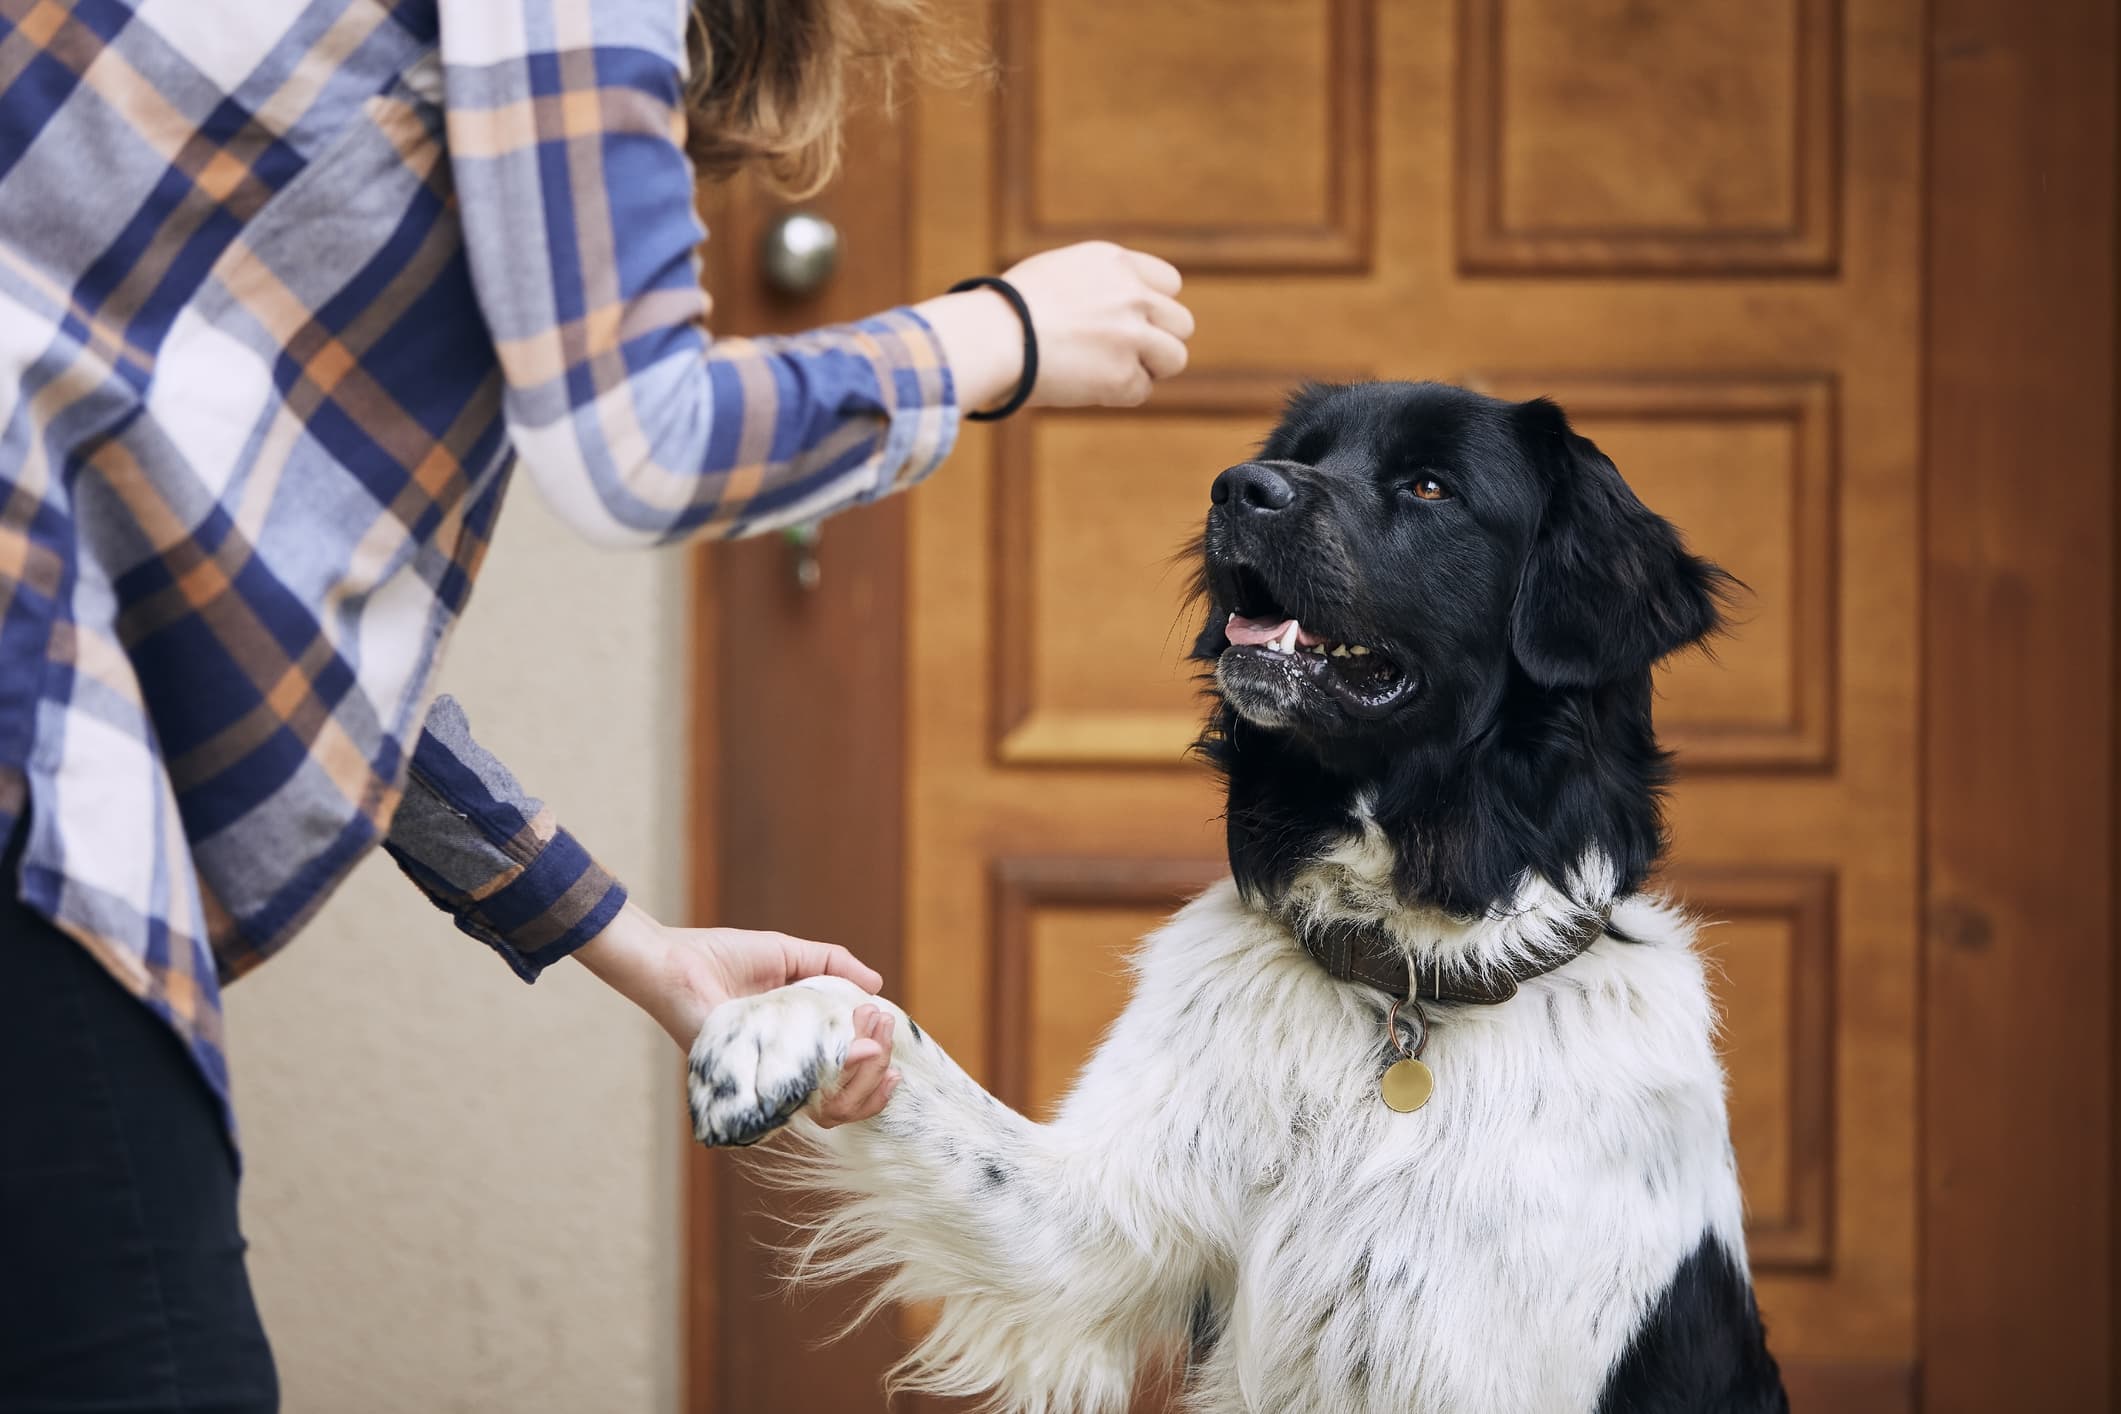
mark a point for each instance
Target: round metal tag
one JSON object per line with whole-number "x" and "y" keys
{"x": 1406, "y": 1085}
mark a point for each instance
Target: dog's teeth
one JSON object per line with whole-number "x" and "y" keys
{"x": 1340, "y": 650}
{"x": 1288, "y": 640}
{"x": 1357, "y": 650}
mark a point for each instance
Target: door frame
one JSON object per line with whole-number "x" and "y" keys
{"x": 786, "y": 780}
{"x": 2019, "y": 1284}
{"x": 2019, "y": 1080}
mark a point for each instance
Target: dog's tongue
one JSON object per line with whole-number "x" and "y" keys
{"x": 1243, "y": 630}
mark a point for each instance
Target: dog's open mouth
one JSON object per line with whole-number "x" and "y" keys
{"x": 1367, "y": 682}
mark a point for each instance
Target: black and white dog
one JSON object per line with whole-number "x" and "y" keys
{"x": 1434, "y": 616}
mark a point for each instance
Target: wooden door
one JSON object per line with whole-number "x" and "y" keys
{"x": 816, "y": 717}
{"x": 1697, "y": 226}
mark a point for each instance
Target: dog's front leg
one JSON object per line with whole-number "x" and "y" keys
{"x": 1061, "y": 1256}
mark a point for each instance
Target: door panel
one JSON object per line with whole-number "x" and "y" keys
{"x": 1227, "y": 134}
{"x": 1648, "y": 136}
{"x": 1693, "y": 224}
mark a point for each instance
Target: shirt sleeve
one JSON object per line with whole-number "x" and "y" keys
{"x": 565, "y": 126}
{"x": 491, "y": 856}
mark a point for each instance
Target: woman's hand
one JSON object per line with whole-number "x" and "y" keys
{"x": 678, "y": 975}
{"x": 1108, "y": 321}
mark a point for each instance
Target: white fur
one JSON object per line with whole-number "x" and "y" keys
{"x": 1493, "y": 1251}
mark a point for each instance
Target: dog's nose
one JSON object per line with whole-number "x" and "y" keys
{"x": 1252, "y": 488}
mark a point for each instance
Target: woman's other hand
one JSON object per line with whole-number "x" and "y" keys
{"x": 678, "y": 975}
{"x": 1108, "y": 320}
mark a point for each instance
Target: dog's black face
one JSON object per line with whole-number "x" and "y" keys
{"x": 1451, "y": 604}
{"x": 1385, "y": 527}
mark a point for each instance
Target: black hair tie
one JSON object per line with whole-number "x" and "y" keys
{"x": 1029, "y": 379}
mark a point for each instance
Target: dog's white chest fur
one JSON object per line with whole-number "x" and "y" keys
{"x": 1495, "y": 1249}
{"x": 1226, "y": 1168}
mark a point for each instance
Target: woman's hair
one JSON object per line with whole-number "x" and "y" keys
{"x": 772, "y": 79}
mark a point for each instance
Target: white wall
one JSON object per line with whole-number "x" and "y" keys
{"x": 461, "y": 1193}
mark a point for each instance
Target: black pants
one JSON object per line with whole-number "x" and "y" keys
{"x": 122, "y": 1286}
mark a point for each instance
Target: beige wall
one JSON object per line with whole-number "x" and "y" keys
{"x": 461, "y": 1192}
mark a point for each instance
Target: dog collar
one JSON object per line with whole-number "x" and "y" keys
{"x": 1370, "y": 954}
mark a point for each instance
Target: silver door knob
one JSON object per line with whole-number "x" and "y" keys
{"x": 798, "y": 253}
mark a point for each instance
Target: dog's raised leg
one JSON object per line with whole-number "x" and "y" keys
{"x": 1062, "y": 1255}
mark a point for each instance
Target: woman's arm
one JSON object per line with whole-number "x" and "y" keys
{"x": 492, "y": 857}
{"x": 564, "y": 122}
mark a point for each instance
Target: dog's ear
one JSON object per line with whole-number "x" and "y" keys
{"x": 1609, "y": 587}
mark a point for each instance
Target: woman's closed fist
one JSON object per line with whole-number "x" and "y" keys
{"x": 1108, "y": 320}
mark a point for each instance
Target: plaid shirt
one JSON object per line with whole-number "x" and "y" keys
{"x": 285, "y": 289}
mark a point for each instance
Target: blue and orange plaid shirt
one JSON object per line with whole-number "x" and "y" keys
{"x": 286, "y": 289}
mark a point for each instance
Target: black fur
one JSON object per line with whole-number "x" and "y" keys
{"x": 1526, "y": 609}
{"x": 1702, "y": 1348}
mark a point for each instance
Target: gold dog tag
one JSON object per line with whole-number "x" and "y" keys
{"x": 1406, "y": 1085}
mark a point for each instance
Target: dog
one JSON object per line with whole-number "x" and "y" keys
{"x": 1432, "y": 621}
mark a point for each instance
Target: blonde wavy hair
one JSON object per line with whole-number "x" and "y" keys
{"x": 772, "y": 80}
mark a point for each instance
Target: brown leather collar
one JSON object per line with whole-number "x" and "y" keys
{"x": 1368, "y": 953}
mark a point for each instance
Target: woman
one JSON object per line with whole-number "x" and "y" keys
{"x": 284, "y": 294}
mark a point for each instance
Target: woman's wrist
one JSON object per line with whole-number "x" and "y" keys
{"x": 678, "y": 975}
{"x": 982, "y": 341}
{"x": 636, "y": 957}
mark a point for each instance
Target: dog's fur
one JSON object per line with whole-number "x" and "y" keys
{"x": 1559, "y": 1229}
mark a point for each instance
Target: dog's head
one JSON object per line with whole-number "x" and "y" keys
{"x": 1451, "y": 603}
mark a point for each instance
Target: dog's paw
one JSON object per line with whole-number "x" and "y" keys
{"x": 760, "y": 1059}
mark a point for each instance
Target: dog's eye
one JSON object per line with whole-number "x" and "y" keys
{"x": 1427, "y": 488}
